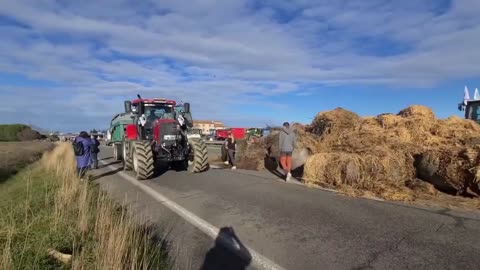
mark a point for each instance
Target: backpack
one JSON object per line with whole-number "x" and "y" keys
{"x": 94, "y": 148}
{"x": 78, "y": 148}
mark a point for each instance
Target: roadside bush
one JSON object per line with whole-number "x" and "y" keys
{"x": 17, "y": 132}
{"x": 27, "y": 134}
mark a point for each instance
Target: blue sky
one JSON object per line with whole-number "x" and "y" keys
{"x": 68, "y": 65}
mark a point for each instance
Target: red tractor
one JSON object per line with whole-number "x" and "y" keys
{"x": 159, "y": 133}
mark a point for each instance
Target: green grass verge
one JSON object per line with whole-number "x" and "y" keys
{"x": 34, "y": 218}
{"x": 26, "y": 202}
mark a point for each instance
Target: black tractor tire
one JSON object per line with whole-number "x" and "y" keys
{"x": 224, "y": 153}
{"x": 143, "y": 160}
{"x": 199, "y": 156}
{"x": 127, "y": 156}
{"x": 117, "y": 152}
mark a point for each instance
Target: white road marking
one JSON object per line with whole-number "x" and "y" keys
{"x": 258, "y": 261}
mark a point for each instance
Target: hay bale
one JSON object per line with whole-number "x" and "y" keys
{"x": 335, "y": 121}
{"x": 389, "y": 120}
{"x": 458, "y": 131}
{"x": 384, "y": 175}
{"x": 417, "y": 111}
{"x": 240, "y": 149}
{"x": 370, "y": 124}
{"x": 252, "y": 158}
{"x": 403, "y": 134}
{"x": 452, "y": 170}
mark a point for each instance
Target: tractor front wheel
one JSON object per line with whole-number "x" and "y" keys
{"x": 143, "y": 162}
{"x": 198, "y": 158}
{"x": 117, "y": 152}
{"x": 127, "y": 157}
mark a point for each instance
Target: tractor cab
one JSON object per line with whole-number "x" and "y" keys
{"x": 146, "y": 112}
{"x": 471, "y": 109}
{"x": 149, "y": 113}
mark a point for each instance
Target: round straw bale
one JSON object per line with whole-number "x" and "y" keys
{"x": 253, "y": 158}
{"x": 375, "y": 173}
{"x": 370, "y": 124}
{"x": 334, "y": 121}
{"x": 403, "y": 134}
{"x": 417, "y": 111}
{"x": 389, "y": 120}
{"x": 449, "y": 169}
{"x": 458, "y": 131}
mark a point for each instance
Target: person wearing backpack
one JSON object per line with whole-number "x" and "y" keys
{"x": 94, "y": 150}
{"x": 81, "y": 148}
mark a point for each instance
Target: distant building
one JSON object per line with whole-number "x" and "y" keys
{"x": 206, "y": 126}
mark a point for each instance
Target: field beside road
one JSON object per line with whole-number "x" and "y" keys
{"x": 16, "y": 155}
{"x": 51, "y": 220}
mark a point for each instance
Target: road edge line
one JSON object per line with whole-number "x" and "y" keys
{"x": 258, "y": 260}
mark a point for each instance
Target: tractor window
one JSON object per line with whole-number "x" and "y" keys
{"x": 473, "y": 112}
{"x": 154, "y": 111}
{"x": 476, "y": 114}
{"x": 180, "y": 110}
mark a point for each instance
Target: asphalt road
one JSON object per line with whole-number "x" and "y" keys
{"x": 290, "y": 226}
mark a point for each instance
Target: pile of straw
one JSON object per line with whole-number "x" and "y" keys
{"x": 389, "y": 152}
{"x": 402, "y": 156}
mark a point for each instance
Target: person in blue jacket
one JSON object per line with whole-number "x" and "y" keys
{"x": 83, "y": 161}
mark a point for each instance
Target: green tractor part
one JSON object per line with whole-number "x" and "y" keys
{"x": 254, "y": 133}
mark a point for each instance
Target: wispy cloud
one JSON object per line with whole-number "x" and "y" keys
{"x": 218, "y": 53}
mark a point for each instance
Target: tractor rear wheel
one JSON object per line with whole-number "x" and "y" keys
{"x": 224, "y": 153}
{"x": 127, "y": 158}
{"x": 198, "y": 156}
{"x": 117, "y": 152}
{"x": 143, "y": 162}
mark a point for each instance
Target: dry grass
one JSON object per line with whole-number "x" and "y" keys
{"x": 16, "y": 155}
{"x": 73, "y": 217}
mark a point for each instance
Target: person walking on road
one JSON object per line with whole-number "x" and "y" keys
{"x": 287, "y": 145}
{"x": 81, "y": 148}
{"x": 94, "y": 150}
{"x": 231, "y": 147}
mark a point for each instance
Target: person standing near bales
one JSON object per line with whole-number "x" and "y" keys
{"x": 94, "y": 150}
{"x": 287, "y": 145}
{"x": 231, "y": 147}
{"x": 81, "y": 147}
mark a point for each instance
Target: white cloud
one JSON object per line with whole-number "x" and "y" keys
{"x": 223, "y": 52}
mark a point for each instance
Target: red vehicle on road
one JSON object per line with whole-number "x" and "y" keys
{"x": 223, "y": 134}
